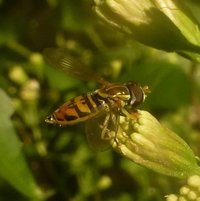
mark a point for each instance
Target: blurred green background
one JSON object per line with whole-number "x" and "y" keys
{"x": 60, "y": 162}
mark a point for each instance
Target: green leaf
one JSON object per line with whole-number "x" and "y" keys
{"x": 185, "y": 22}
{"x": 13, "y": 167}
{"x": 170, "y": 86}
{"x": 182, "y": 17}
{"x": 172, "y": 91}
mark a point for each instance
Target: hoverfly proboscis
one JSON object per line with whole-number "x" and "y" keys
{"x": 101, "y": 109}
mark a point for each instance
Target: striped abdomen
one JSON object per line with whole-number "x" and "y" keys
{"x": 77, "y": 109}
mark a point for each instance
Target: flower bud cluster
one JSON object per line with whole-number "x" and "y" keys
{"x": 142, "y": 139}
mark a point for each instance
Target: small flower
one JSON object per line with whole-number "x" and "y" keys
{"x": 190, "y": 191}
{"x": 142, "y": 139}
{"x": 165, "y": 25}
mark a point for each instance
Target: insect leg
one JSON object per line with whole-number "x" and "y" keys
{"x": 105, "y": 131}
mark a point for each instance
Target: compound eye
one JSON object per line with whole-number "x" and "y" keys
{"x": 136, "y": 93}
{"x": 132, "y": 100}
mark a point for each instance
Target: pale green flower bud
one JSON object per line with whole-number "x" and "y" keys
{"x": 18, "y": 75}
{"x": 30, "y": 91}
{"x": 142, "y": 139}
{"x": 166, "y": 25}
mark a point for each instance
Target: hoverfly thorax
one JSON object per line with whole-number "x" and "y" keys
{"x": 129, "y": 94}
{"x": 115, "y": 91}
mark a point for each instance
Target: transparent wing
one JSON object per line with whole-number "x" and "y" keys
{"x": 58, "y": 57}
{"x": 102, "y": 130}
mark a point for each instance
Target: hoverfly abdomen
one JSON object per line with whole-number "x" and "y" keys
{"x": 76, "y": 110}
